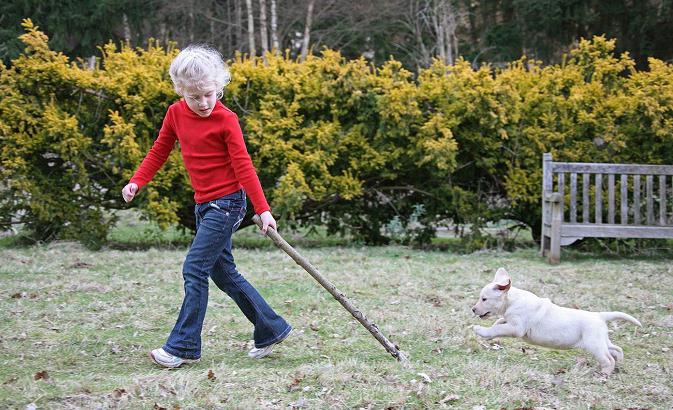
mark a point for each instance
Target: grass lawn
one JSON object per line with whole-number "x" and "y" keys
{"x": 76, "y": 327}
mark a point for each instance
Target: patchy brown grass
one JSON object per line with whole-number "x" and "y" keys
{"x": 85, "y": 322}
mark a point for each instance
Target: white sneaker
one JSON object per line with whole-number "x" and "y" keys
{"x": 258, "y": 353}
{"x": 165, "y": 359}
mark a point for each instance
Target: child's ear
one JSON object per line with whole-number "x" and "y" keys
{"x": 502, "y": 280}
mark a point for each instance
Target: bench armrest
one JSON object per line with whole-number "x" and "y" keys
{"x": 553, "y": 197}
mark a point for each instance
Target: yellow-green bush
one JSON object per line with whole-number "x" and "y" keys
{"x": 70, "y": 135}
{"x": 593, "y": 108}
{"x": 335, "y": 141}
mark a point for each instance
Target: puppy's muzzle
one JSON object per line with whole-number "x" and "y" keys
{"x": 482, "y": 316}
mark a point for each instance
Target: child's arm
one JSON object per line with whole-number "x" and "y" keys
{"x": 245, "y": 171}
{"x": 154, "y": 159}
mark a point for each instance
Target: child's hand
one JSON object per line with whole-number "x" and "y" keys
{"x": 129, "y": 191}
{"x": 267, "y": 221}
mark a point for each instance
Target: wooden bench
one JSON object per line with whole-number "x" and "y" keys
{"x": 608, "y": 192}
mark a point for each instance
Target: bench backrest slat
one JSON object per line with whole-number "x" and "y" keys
{"x": 623, "y": 200}
{"x": 650, "y": 200}
{"x": 662, "y": 200}
{"x": 573, "y": 197}
{"x": 599, "y": 199}
{"x": 611, "y": 198}
{"x": 585, "y": 197}
{"x": 636, "y": 199}
{"x": 562, "y": 190}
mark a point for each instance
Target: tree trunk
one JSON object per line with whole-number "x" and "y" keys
{"x": 127, "y": 28}
{"x": 444, "y": 24}
{"x": 251, "y": 29}
{"x": 263, "y": 36}
{"x": 438, "y": 22}
{"x": 212, "y": 26}
{"x": 450, "y": 23}
{"x": 228, "y": 41}
{"x": 191, "y": 22}
{"x": 307, "y": 30}
{"x": 163, "y": 33}
{"x": 274, "y": 28}
{"x": 238, "y": 43}
{"x": 416, "y": 18}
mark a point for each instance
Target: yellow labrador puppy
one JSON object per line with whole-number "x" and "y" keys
{"x": 539, "y": 321}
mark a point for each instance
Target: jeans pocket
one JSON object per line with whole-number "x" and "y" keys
{"x": 239, "y": 219}
{"x": 224, "y": 214}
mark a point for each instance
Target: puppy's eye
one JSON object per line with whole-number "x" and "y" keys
{"x": 483, "y": 299}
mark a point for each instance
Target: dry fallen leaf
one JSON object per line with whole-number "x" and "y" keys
{"x": 425, "y": 377}
{"x": 449, "y": 399}
{"x": 557, "y": 380}
{"x": 436, "y": 301}
{"x": 79, "y": 265}
{"x": 299, "y": 403}
{"x": 158, "y": 407}
{"x": 294, "y": 385}
{"x": 211, "y": 375}
{"x": 114, "y": 348}
{"x": 167, "y": 389}
{"x": 41, "y": 375}
{"x": 117, "y": 393}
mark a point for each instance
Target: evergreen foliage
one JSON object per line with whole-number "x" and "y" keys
{"x": 370, "y": 151}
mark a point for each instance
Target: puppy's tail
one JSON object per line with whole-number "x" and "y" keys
{"x": 608, "y": 316}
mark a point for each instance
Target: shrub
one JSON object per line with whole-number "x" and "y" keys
{"x": 368, "y": 150}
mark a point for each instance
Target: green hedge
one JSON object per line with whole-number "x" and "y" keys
{"x": 374, "y": 151}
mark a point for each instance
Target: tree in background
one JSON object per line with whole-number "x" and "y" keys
{"x": 411, "y": 31}
{"x": 75, "y": 27}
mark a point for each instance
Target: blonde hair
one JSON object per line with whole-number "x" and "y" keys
{"x": 199, "y": 67}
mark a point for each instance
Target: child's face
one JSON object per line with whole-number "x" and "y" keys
{"x": 201, "y": 102}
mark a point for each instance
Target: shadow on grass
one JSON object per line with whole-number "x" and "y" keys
{"x": 619, "y": 249}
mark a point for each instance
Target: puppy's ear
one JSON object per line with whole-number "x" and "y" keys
{"x": 502, "y": 280}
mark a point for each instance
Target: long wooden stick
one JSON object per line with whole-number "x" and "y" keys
{"x": 338, "y": 295}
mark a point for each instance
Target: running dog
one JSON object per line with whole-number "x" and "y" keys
{"x": 538, "y": 321}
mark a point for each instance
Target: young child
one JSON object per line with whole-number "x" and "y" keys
{"x": 221, "y": 174}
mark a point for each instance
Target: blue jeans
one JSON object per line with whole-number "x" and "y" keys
{"x": 210, "y": 255}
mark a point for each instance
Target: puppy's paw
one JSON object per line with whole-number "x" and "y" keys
{"x": 480, "y": 330}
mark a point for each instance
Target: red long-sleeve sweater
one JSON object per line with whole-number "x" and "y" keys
{"x": 213, "y": 151}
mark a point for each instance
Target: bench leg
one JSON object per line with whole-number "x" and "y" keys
{"x": 555, "y": 246}
{"x": 544, "y": 245}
